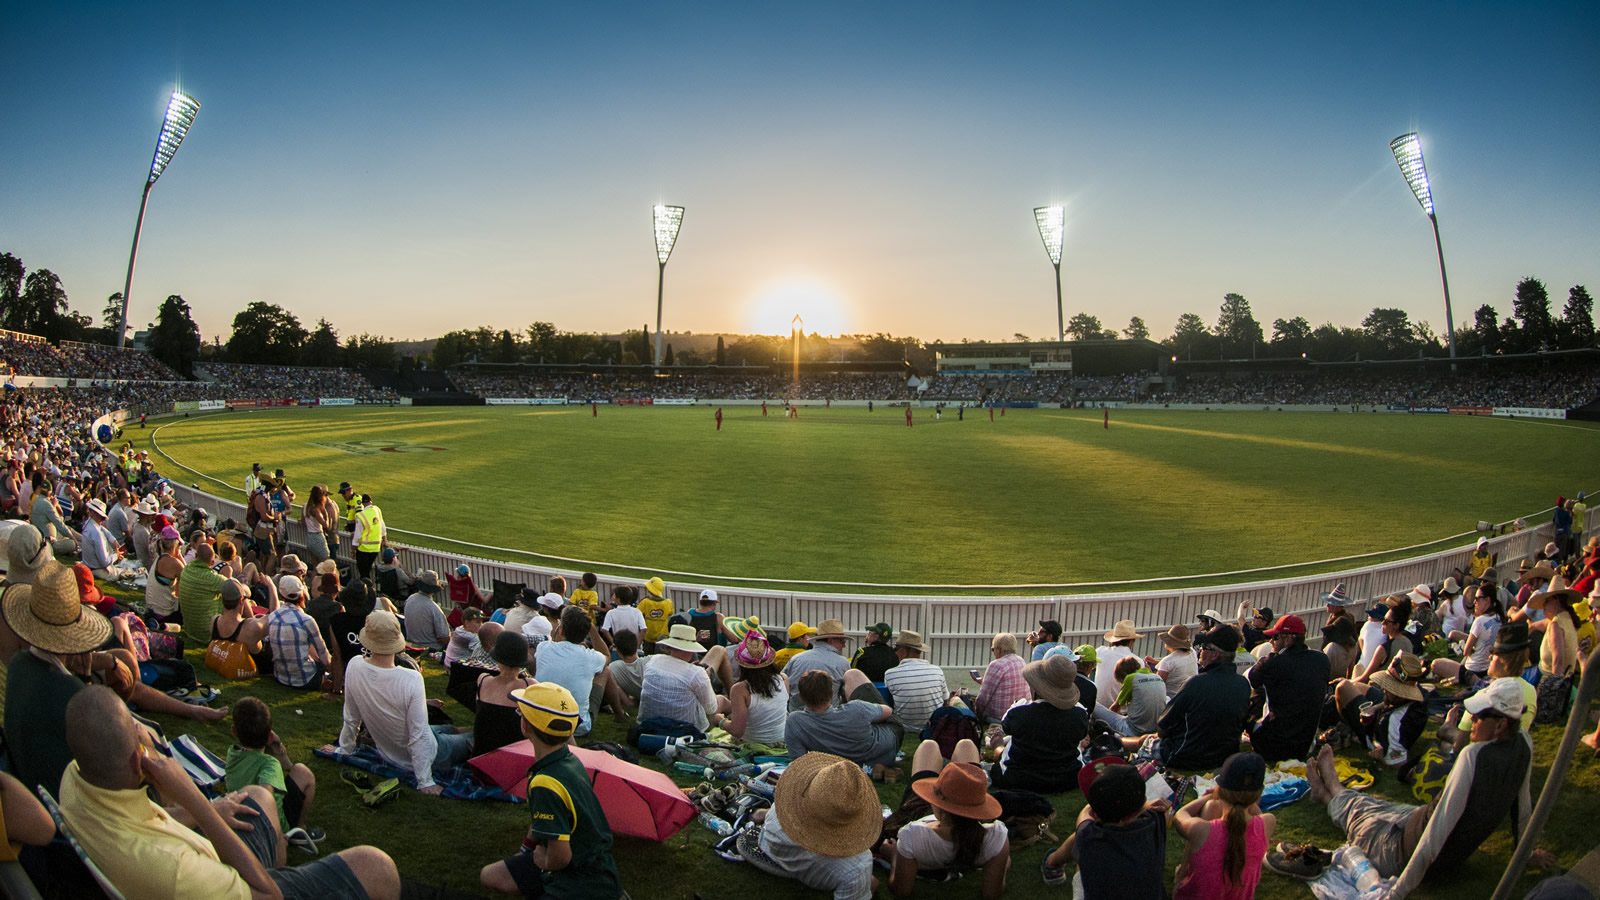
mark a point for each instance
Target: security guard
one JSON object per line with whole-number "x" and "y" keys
{"x": 567, "y": 853}
{"x": 369, "y": 535}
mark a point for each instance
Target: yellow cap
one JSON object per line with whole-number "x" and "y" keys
{"x": 549, "y": 707}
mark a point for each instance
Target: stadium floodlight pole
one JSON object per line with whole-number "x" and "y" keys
{"x": 797, "y": 326}
{"x": 1052, "y": 222}
{"x": 668, "y": 219}
{"x": 1408, "y": 153}
{"x": 181, "y": 110}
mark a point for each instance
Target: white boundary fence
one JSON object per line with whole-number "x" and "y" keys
{"x": 959, "y": 628}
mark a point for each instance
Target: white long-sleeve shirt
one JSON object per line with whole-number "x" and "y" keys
{"x": 99, "y": 548}
{"x": 392, "y": 704}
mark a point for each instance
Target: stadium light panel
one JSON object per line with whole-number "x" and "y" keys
{"x": 1052, "y": 227}
{"x": 668, "y": 220}
{"x": 181, "y": 110}
{"x": 1408, "y": 153}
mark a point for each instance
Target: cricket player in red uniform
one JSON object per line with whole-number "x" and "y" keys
{"x": 763, "y": 407}
{"x": 1108, "y": 419}
{"x": 719, "y": 418}
{"x": 594, "y": 408}
{"x": 908, "y": 416}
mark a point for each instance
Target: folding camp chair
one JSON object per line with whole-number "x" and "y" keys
{"x": 61, "y": 825}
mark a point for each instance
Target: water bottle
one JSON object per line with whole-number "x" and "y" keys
{"x": 736, "y": 771}
{"x": 683, "y": 768}
{"x": 716, "y": 823}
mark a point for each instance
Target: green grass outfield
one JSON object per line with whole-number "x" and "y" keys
{"x": 1035, "y": 497}
{"x": 445, "y": 842}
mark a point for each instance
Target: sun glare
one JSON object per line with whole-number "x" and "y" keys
{"x": 818, "y": 305}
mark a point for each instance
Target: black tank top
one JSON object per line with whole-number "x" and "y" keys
{"x": 494, "y": 726}
{"x": 217, "y": 636}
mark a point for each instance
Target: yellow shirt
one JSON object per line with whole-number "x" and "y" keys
{"x": 589, "y": 600}
{"x": 1579, "y": 510}
{"x": 783, "y": 656}
{"x": 141, "y": 849}
{"x": 1478, "y": 563}
{"x": 656, "y": 613}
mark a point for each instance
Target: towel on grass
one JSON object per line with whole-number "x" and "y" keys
{"x": 460, "y": 784}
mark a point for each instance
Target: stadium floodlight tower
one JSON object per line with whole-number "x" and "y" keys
{"x": 668, "y": 219}
{"x": 1408, "y": 153}
{"x": 1052, "y": 221}
{"x": 181, "y": 110}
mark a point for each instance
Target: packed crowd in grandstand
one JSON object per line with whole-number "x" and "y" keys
{"x": 1495, "y": 647}
{"x": 292, "y": 381}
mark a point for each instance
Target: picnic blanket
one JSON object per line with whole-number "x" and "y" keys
{"x": 460, "y": 784}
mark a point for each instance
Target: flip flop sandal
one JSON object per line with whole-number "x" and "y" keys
{"x": 383, "y": 792}
{"x": 305, "y": 838}
{"x": 201, "y": 696}
{"x": 178, "y": 693}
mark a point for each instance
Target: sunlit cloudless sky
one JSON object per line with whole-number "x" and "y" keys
{"x": 408, "y": 169}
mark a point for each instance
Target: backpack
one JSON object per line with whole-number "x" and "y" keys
{"x": 167, "y": 674}
{"x": 948, "y": 726}
{"x": 251, "y": 517}
{"x": 1027, "y": 816}
{"x": 613, "y": 748}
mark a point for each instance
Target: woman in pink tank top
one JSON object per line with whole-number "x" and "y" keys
{"x": 1227, "y": 835}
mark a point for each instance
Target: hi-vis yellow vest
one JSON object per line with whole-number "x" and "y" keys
{"x": 369, "y": 530}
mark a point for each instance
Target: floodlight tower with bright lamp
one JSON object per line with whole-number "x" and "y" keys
{"x": 668, "y": 219}
{"x": 181, "y": 110}
{"x": 1408, "y": 153}
{"x": 1052, "y": 227}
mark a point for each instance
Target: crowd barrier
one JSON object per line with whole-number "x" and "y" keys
{"x": 959, "y": 629}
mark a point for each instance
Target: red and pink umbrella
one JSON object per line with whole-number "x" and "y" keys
{"x": 638, "y": 801}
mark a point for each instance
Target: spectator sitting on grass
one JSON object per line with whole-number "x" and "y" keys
{"x": 392, "y": 579}
{"x": 147, "y": 851}
{"x": 960, "y": 835}
{"x": 1119, "y": 646}
{"x": 564, "y": 660}
{"x": 624, "y": 616}
{"x": 1179, "y": 665}
{"x": 1201, "y": 726}
{"x": 1045, "y": 639}
{"x": 568, "y": 849}
{"x": 391, "y": 702}
{"x": 800, "y": 635}
{"x": 862, "y": 729}
{"x": 198, "y": 591}
{"x": 426, "y": 626}
{"x": 760, "y": 698}
{"x": 821, "y": 827}
{"x": 876, "y": 657}
{"x": 676, "y": 689}
{"x": 826, "y": 654}
{"x": 628, "y": 670}
{"x": 238, "y": 622}
{"x": 1294, "y": 680}
{"x": 1001, "y": 684}
{"x": 259, "y": 758}
{"x": 299, "y": 655}
{"x": 1119, "y": 842}
{"x": 1042, "y": 736}
{"x": 464, "y": 594}
{"x": 1225, "y": 835}
{"x": 1426, "y": 844}
{"x": 1141, "y": 702}
{"x": 917, "y": 686}
{"x": 496, "y": 722}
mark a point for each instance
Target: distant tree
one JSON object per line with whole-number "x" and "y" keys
{"x": 1137, "y": 330}
{"x": 1333, "y": 343}
{"x": 1021, "y": 338}
{"x": 754, "y": 350}
{"x": 690, "y": 357}
{"x": 1390, "y": 332}
{"x": 1511, "y": 337}
{"x": 322, "y": 347}
{"x": 174, "y": 338}
{"x": 369, "y": 351}
{"x": 1291, "y": 333}
{"x": 1577, "y": 320}
{"x": 506, "y": 350}
{"x": 1532, "y": 308}
{"x": 111, "y": 316}
{"x": 11, "y": 275}
{"x": 722, "y": 356}
{"x": 882, "y": 346}
{"x": 666, "y": 356}
{"x": 1084, "y": 327}
{"x": 1424, "y": 339}
{"x": 266, "y": 334}
{"x": 1487, "y": 326}
{"x": 1110, "y": 334}
{"x": 1236, "y": 326}
{"x": 41, "y": 308}
{"x": 1190, "y": 328}
{"x": 542, "y": 337}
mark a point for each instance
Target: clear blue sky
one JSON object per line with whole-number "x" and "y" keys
{"x": 408, "y": 169}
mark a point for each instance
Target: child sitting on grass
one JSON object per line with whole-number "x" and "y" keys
{"x": 1227, "y": 836}
{"x": 1120, "y": 843}
{"x": 259, "y": 758}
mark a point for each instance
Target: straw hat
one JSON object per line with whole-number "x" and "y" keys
{"x": 1122, "y": 631}
{"x": 147, "y": 506}
{"x": 1176, "y": 638}
{"x": 962, "y": 789}
{"x": 910, "y": 640}
{"x": 1054, "y": 680}
{"x": 1400, "y": 679}
{"x": 1542, "y": 570}
{"x": 290, "y": 564}
{"x": 753, "y": 652}
{"x": 49, "y": 615}
{"x": 382, "y": 633}
{"x": 828, "y": 805}
{"x": 681, "y": 637}
{"x": 1559, "y": 590}
{"x": 830, "y": 628}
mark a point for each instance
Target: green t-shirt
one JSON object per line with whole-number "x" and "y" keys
{"x": 199, "y": 598}
{"x": 564, "y": 808}
{"x": 246, "y": 767}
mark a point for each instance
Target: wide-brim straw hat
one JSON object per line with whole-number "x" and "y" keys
{"x": 1559, "y": 591}
{"x": 1542, "y": 570}
{"x": 290, "y": 564}
{"x": 49, "y": 614}
{"x": 1397, "y": 687}
{"x": 828, "y": 805}
{"x": 681, "y": 637}
{"x": 1177, "y": 638}
{"x": 962, "y": 789}
{"x": 1054, "y": 680}
{"x": 910, "y": 640}
{"x": 830, "y": 628}
{"x": 147, "y": 507}
{"x": 754, "y": 652}
{"x": 381, "y": 633}
{"x": 1124, "y": 630}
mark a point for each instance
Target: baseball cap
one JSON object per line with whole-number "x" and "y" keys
{"x": 881, "y": 629}
{"x": 1264, "y": 612}
{"x": 462, "y": 570}
{"x": 1287, "y": 625}
{"x": 1503, "y": 697}
{"x": 1242, "y": 772}
{"x": 1222, "y": 637}
{"x": 709, "y": 594}
{"x": 1061, "y": 650}
{"x": 798, "y": 630}
{"x": 291, "y": 586}
{"x": 1050, "y": 627}
{"x": 549, "y": 707}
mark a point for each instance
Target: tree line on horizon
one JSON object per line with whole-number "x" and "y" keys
{"x": 268, "y": 334}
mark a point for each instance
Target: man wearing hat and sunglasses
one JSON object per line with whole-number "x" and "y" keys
{"x": 1422, "y": 844}
{"x": 826, "y": 653}
{"x": 567, "y": 852}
